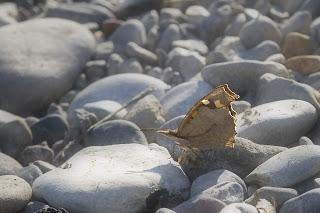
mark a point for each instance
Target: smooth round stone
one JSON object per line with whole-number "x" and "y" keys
{"x": 299, "y": 22}
{"x": 306, "y": 64}
{"x": 315, "y": 29}
{"x": 297, "y": 44}
{"x": 196, "y": 13}
{"x": 8, "y": 165}
{"x": 14, "y": 137}
{"x": 192, "y": 45}
{"x": 172, "y": 33}
{"x": 150, "y": 19}
{"x": 235, "y": 26}
{"x": 131, "y": 31}
{"x": 277, "y": 123}
{"x": 305, "y": 141}
{"x": 273, "y": 88}
{"x": 144, "y": 55}
{"x": 6, "y": 117}
{"x": 120, "y": 88}
{"x": 239, "y": 208}
{"x": 261, "y": 52}
{"x": 203, "y": 204}
{"x": 187, "y": 62}
{"x": 115, "y": 132}
{"x": 29, "y": 173}
{"x": 307, "y": 202}
{"x": 275, "y": 195}
{"x": 181, "y": 98}
{"x": 15, "y": 193}
{"x": 36, "y": 152}
{"x": 240, "y": 76}
{"x": 213, "y": 178}
{"x": 164, "y": 210}
{"x": 288, "y": 167}
{"x": 79, "y": 12}
{"x": 104, "y": 108}
{"x": 258, "y": 30}
{"x": 120, "y": 175}
{"x": 53, "y": 54}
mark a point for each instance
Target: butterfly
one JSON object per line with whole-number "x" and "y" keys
{"x": 210, "y": 123}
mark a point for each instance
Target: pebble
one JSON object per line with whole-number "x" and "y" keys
{"x": 172, "y": 33}
{"x": 275, "y": 195}
{"x": 130, "y": 31}
{"x": 15, "y": 193}
{"x": 29, "y": 173}
{"x": 6, "y": 117}
{"x": 110, "y": 25}
{"x": 8, "y": 165}
{"x": 192, "y": 45}
{"x": 296, "y": 44}
{"x": 120, "y": 88}
{"x": 146, "y": 56}
{"x": 307, "y": 202}
{"x": 54, "y": 63}
{"x": 239, "y": 208}
{"x": 201, "y": 204}
{"x": 305, "y": 141}
{"x": 150, "y": 20}
{"x": 288, "y": 120}
{"x": 258, "y": 30}
{"x": 50, "y": 128}
{"x": 127, "y": 167}
{"x": 233, "y": 29}
{"x": 36, "y": 152}
{"x": 181, "y": 98}
{"x": 115, "y": 132}
{"x": 214, "y": 178}
{"x": 130, "y": 65}
{"x": 306, "y": 64}
{"x": 33, "y": 206}
{"x": 288, "y": 167}
{"x": 196, "y": 14}
{"x": 95, "y": 70}
{"x": 43, "y": 166}
{"x": 240, "y": 76}
{"x": 298, "y": 22}
{"x": 14, "y": 137}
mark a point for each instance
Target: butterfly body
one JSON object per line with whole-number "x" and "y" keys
{"x": 209, "y": 124}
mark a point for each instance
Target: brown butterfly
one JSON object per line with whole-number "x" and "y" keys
{"x": 209, "y": 124}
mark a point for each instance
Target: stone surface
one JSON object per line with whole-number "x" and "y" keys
{"x": 14, "y": 137}
{"x": 235, "y": 26}
{"x": 277, "y": 123}
{"x": 8, "y": 165}
{"x": 136, "y": 51}
{"x": 305, "y": 64}
{"x": 187, "y": 62}
{"x": 296, "y": 44}
{"x": 307, "y": 202}
{"x": 33, "y": 206}
{"x": 50, "y": 128}
{"x": 239, "y": 208}
{"x": 287, "y": 168}
{"x": 277, "y": 196}
{"x": 192, "y": 45}
{"x": 131, "y": 31}
{"x": 62, "y": 49}
{"x": 29, "y": 173}
{"x": 43, "y": 166}
{"x": 115, "y": 132}
{"x": 6, "y": 117}
{"x": 79, "y": 12}
{"x": 273, "y": 88}
{"x": 258, "y": 30}
{"x": 214, "y": 178}
{"x": 201, "y": 204}
{"x": 36, "y": 152}
{"x": 15, "y": 193}
{"x": 120, "y": 175}
{"x": 299, "y": 22}
{"x": 172, "y": 33}
{"x": 240, "y": 76}
{"x": 120, "y": 88}
{"x": 181, "y": 98}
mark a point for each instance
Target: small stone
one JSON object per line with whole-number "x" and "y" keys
{"x": 171, "y": 77}
{"x": 14, "y": 137}
{"x": 258, "y": 30}
{"x": 68, "y": 97}
{"x": 309, "y": 184}
{"x": 195, "y": 14}
{"x": 288, "y": 120}
{"x": 235, "y": 26}
{"x": 298, "y": 22}
{"x": 203, "y": 204}
{"x": 172, "y": 33}
{"x": 305, "y": 64}
{"x": 275, "y": 195}
{"x": 101, "y": 109}
{"x": 130, "y": 65}
{"x": 68, "y": 150}
{"x": 81, "y": 82}
{"x": 214, "y": 178}
{"x": 95, "y": 70}
{"x": 278, "y": 58}
{"x": 307, "y": 202}
{"x": 104, "y": 50}
{"x": 241, "y": 76}
{"x": 15, "y": 193}
{"x": 30, "y": 120}
{"x": 152, "y": 37}
{"x": 109, "y": 26}
{"x": 240, "y": 106}
{"x": 187, "y": 62}
{"x": 305, "y": 141}
{"x": 239, "y": 208}
{"x": 155, "y": 72}
{"x": 29, "y": 173}
{"x": 287, "y": 168}
{"x": 33, "y": 206}
{"x": 315, "y": 29}
{"x": 6, "y": 117}
{"x": 8, "y": 165}
{"x": 43, "y": 166}
{"x": 150, "y": 20}
{"x": 146, "y": 56}
{"x": 36, "y": 152}
{"x": 115, "y": 132}
{"x": 131, "y": 31}
{"x": 164, "y": 210}
{"x": 50, "y": 128}
{"x": 297, "y": 44}
{"x": 192, "y": 45}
